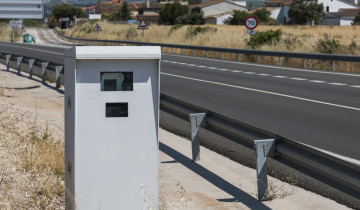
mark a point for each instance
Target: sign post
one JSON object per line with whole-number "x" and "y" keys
{"x": 142, "y": 25}
{"x": 97, "y": 28}
{"x": 251, "y": 23}
{"x": 15, "y": 24}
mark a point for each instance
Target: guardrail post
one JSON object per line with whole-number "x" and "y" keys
{"x": 58, "y": 70}
{"x": 239, "y": 57}
{"x": 305, "y": 63}
{"x": 194, "y": 53}
{"x": 207, "y": 54}
{"x": 31, "y": 63}
{"x": 333, "y": 66}
{"x": 222, "y": 56}
{"x": 8, "y": 62}
{"x": 44, "y": 65}
{"x": 263, "y": 148}
{"x": 19, "y": 59}
{"x": 196, "y": 120}
{"x": 258, "y": 58}
{"x": 279, "y": 61}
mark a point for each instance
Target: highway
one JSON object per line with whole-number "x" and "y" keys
{"x": 318, "y": 108}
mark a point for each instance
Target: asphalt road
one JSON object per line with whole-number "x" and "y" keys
{"x": 318, "y": 108}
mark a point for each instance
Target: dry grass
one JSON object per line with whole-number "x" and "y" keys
{"x": 5, "y": 32}
{"x": 305, "y": 37}
{"x": 294, "y": 39}
{"x": 31, "y": 161}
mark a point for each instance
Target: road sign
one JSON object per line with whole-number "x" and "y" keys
{"x": 251, "y": 32}
{"x": 64, "y": 19}
{"x": 251, "y": 22}
{"x": 97, "y": 27}
{"x": 71, "y": 24}
{"x": 15, "y": 23}
{"x": 14, "y": 9}
{"x": 142, "y": 25}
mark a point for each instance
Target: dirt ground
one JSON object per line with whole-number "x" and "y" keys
{"x": 31, "y": 112}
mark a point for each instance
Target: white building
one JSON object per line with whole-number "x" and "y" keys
{"x": 216, "y": 11}
{"x": 335, "y": 5}
{"x": 344, "y": 17}
{"x": 337, "y": 11}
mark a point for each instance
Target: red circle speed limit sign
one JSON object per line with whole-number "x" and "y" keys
{"x": 251, "y": 22}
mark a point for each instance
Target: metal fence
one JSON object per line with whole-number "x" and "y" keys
{"x": 266, "y": 144}
{"x": 305, "y": 56}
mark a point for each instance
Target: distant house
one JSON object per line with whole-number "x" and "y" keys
{"x": 344, "y": 17}
{"x": 279, "y": 10}
{"x": 218, "y": 19}
{"x": 334, "y": 9}
{"x": 139, "y": 10}
{"x": 216, "y": 11}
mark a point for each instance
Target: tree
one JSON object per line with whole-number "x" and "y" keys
{"x": 169, "y": 13}
{"x": 125, "y": 13}
{"x": 238, "y": 18}
{"x": 262, "y": 15}
{"x": 193, "y": 2}
{"x": 66, "y": 10}
{"x": 305, "y": 11}
{"x": 191, "y": 19}
{"x": 357, "y": 20}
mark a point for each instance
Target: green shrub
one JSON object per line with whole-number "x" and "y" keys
{"x": 238, "y": 18}
{"x": 270, "y": 21}
{"x": 193, "y": 31}
{"x": 329, "y": 46}
{"x": 32, "y": 23}
{"x": 191, "y": 19}
{"x": 131, "y": 33}
{"x": 266, "y": 37}
{"x": 175, "y": 27}
{"x": 52, "y": 23}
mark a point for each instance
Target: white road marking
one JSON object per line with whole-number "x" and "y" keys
{"x": 174, "y": 62}
{"x": 338, "y": 84}
{"x": 317, "y": 81}
{"x": 276, "y": 76}
{"x": 263, "y": 91}
{"x": 268, "y": 66}
{"x": 299, "y": 79}
{"x": 355, "y": 86}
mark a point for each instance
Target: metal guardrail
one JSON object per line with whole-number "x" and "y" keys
{"x": 280, "y": 54}
{"x": 344, "y": 173}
